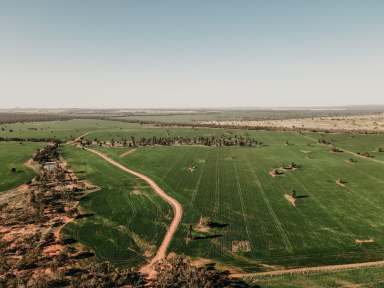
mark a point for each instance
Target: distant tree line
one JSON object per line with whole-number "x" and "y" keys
{"x": 19, "y": 139}
{"x": 7, "y": 117}
{"x": 218, "y": 141}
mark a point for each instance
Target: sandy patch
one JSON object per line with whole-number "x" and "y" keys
{"x": 136, "y": 192}
{"x": 201, "y": 228}
{"x": 290, "y": 199}
{"x": 20, "y": 232}
{"x": 358, "y": 241}
{"x": 191, "y": 168}
{"x": 32, "y": 165}
{"x": 340, "y": 183}
{"x": 199, "y": 262}
{"x": 275, "y": 173}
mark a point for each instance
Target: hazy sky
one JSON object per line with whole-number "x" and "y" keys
{"x": 206, "y": 53}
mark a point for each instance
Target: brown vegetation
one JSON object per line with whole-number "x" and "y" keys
{"x": 31, "y": 218}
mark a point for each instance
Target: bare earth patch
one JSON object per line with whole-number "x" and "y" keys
{"x": 340, "y": 183}
{"x": 191, "y": 169}
{"x": 371, "y": 123}
{"x": 358, "y": 241}
{"x": 275, "y": 173}
{"x": 290, "y": 199}
{"x": 32, "y": 217}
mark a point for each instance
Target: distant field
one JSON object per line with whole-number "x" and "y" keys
{"x": 63, "y": 130}
{"x": 233, "y": 186}
{"x": 14, "y": 155}
{"x": 237, "y": 115}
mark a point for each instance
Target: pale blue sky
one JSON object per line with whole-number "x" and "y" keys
{"x": 196, "y": 53}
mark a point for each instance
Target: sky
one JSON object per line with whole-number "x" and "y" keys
{"x": 196, "y": 53}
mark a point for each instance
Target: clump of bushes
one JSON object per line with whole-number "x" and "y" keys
{"x": 178, "y": 271}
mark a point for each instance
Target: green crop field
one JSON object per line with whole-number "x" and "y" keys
{"x": 14, "y": 155}
{"x": 370, "y": 143}
{"x": 129, "y": 221}
{"x": 230, "y": 186}
{"x": 366, "y": 277}
{"x": 233, "y": 186}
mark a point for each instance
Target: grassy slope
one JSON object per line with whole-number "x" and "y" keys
{"x": 129, "y": 216}
{"x": 14, "y": 155}
{"x": 232, "y": 185}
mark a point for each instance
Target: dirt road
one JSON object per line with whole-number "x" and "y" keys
{"x": 177, "y": 208}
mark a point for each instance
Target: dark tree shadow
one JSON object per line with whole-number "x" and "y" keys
{"x": 217, "y": 225}
{"x": 301, "y": 196}
{"x": 207, "y": 237}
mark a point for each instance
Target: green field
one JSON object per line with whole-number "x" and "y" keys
{"x": 367, "y": 278}
{"x": 230, "y": 185}
{"x": 14, "y": 155}
{"x": 356, "y": 142}
{"x": 129, "y": 221}
{"x": 233, "y": 186}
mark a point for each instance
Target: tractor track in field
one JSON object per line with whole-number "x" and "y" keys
{"x": 316, "y": 269}
{"x": 122, "y": 155}
{"x": 347, "y": 151}
{"x": 177, "y": 208}
{"x": 77, "y": 139}
{"x": 361, "y": 156}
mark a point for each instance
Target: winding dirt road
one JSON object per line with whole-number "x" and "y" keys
{"x": 177, "y": 209}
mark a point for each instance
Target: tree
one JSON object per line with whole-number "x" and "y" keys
{"x": 178, "y": 271}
